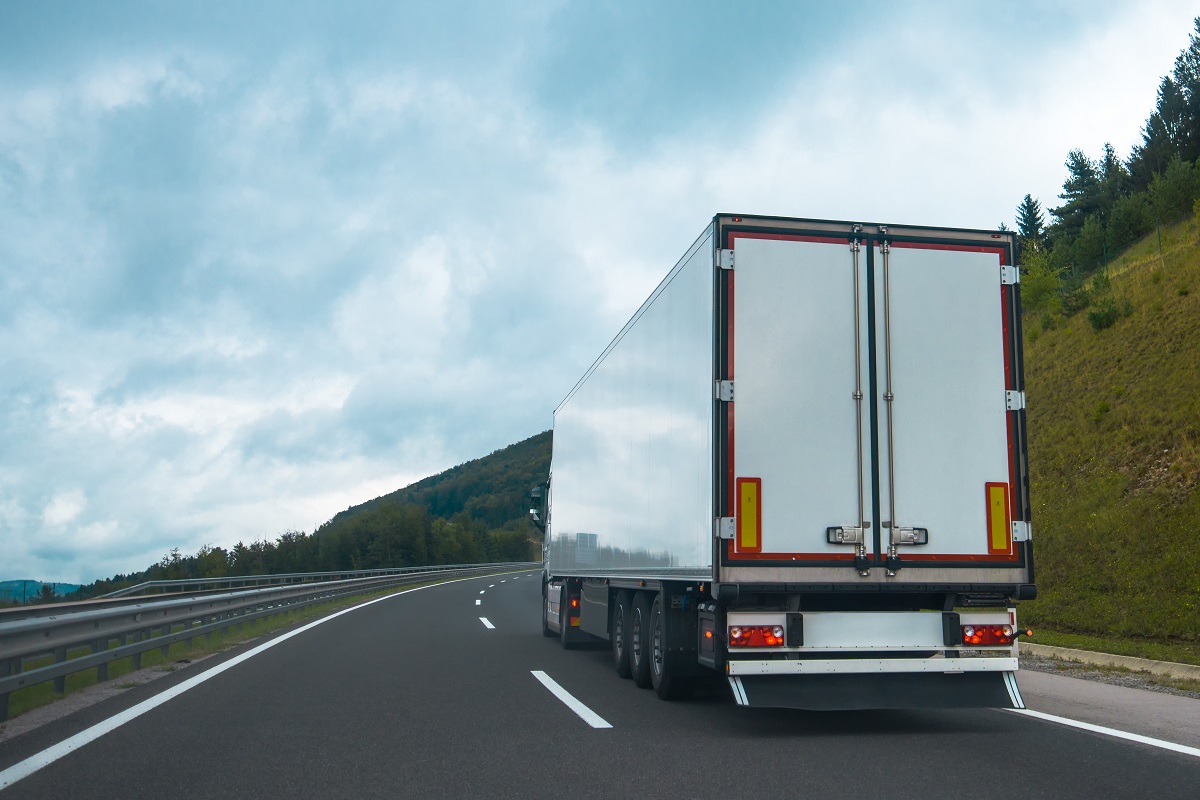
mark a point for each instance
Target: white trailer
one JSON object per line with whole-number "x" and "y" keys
{"x": 802, "y": 464}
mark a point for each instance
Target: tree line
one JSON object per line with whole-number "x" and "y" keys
{"x": 470, "y": 514}
{"x": 1109, "y": 203}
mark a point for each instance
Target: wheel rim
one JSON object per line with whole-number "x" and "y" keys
{"x": 656, "y": 651}
{"x": 619, "y": 631}
{"x": 635, "y": 650}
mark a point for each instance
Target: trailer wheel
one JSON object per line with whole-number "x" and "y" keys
{"x": 620, "y": 634}
{"x": 639, "y": 641}
{"x": 667, "y": 685}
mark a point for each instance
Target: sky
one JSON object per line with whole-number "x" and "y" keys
{"x": 263, "y": 262}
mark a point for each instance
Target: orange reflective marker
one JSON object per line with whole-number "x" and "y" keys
{"x": 749, "y": 515}
{"x": 998, "y": 524}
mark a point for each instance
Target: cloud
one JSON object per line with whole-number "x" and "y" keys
{"x": 64, "y": 507}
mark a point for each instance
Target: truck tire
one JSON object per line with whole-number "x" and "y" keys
{"x": 639, "y": 640}
{"x": 667, "y": 685}
{"x": 620, "y": 634}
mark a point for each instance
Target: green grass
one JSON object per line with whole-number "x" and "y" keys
{"x": 1156, "y": 650}
{"x": 1114, "y": 453}
{"x": 25, "y": 700}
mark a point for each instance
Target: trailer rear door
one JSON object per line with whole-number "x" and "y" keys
{"x": 869, "y": 388}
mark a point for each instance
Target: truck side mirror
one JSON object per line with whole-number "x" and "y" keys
{"x": 537, "y": 501}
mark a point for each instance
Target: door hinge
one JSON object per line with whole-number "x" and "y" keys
{"x": 1014, "y": 401}
{"x": 723, "y": 259}
{"x": 723, "y": 527}
{"x": 724, "y": 391}
{"x": 1009, "y": 276}
{"x": 1021, "y": 531}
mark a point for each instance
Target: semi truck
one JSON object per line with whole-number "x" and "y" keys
{"x": 801, "y": 466}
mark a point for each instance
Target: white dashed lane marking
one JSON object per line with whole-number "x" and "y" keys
{"x": 585, "y": 713}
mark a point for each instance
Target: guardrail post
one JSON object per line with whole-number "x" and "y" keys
{"x": 137, "y": 636}
{"x": 6, "y": 669}
{"x": 60, "y": 683}
{"x": 99, "y": 646}
{"x": 166, "y": 631}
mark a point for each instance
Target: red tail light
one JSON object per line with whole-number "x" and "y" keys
{"x": 756, "y": 636}
{"x": 988, "y": 634}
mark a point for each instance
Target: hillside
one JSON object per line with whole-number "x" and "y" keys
{"x": 1114, "y": 425}
{"x": 493, "y": 489}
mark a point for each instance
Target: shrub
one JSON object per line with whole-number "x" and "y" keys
{"x": 1131, "y": 219}
{"x": 1039, "y": 280}
{"x": 1104, "y": 314}
{"x": 1172, "y": 193}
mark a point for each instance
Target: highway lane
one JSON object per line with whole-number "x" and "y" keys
{"x": 415, "y": 696}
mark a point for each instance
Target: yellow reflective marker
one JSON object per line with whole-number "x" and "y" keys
{"x": 999, "y": 527}
{"x": 749, "y": 515}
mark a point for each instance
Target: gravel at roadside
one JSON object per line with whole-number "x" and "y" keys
{"x": 1110, "y": 675}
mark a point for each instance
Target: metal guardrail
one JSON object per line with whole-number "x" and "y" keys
{"x": 138, "y": 625}
{"x": 273, "y": 579}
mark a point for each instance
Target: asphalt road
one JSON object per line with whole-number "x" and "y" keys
{"x": 414, "y": 696}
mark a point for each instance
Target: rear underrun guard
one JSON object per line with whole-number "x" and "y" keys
{"x": 858, "y": 691}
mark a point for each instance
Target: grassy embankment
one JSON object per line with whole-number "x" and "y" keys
{"x": 1114, "y": 425}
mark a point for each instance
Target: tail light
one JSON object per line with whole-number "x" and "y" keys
{"x": 988, "y": 634}
{"x": 756, "y": 636}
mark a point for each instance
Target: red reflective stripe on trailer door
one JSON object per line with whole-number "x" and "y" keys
{"x": 784, "y": 237}
{"x": 962, "y": 248}
{"x": 731, "y": 409}
{"x": 1010, "y": 419}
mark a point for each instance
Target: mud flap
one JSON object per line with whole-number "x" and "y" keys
{"x": 856, "y": 691}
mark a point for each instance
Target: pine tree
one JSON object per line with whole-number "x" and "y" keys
{"x": 1159, "y": 137}
{"x": 1174, "y": 127}
{"x": 1114, "y": 180}
{"x": 1030, "y": 222}
{"x": 1082, "y": 193}
{"x": 1187, "y": 81}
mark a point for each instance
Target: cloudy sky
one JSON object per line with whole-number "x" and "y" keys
{"x": 260, "y": 265}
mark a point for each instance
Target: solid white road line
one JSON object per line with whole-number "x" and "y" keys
{"x": 585, "y": 713}
{"x": 1087, "y": 726}
{"x": 487, "y": 624}
{"x": 24, "y": 769}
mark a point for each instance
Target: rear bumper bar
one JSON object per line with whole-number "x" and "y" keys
{"x": 870, "y": 665}
{"x": 895, "y": 690}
